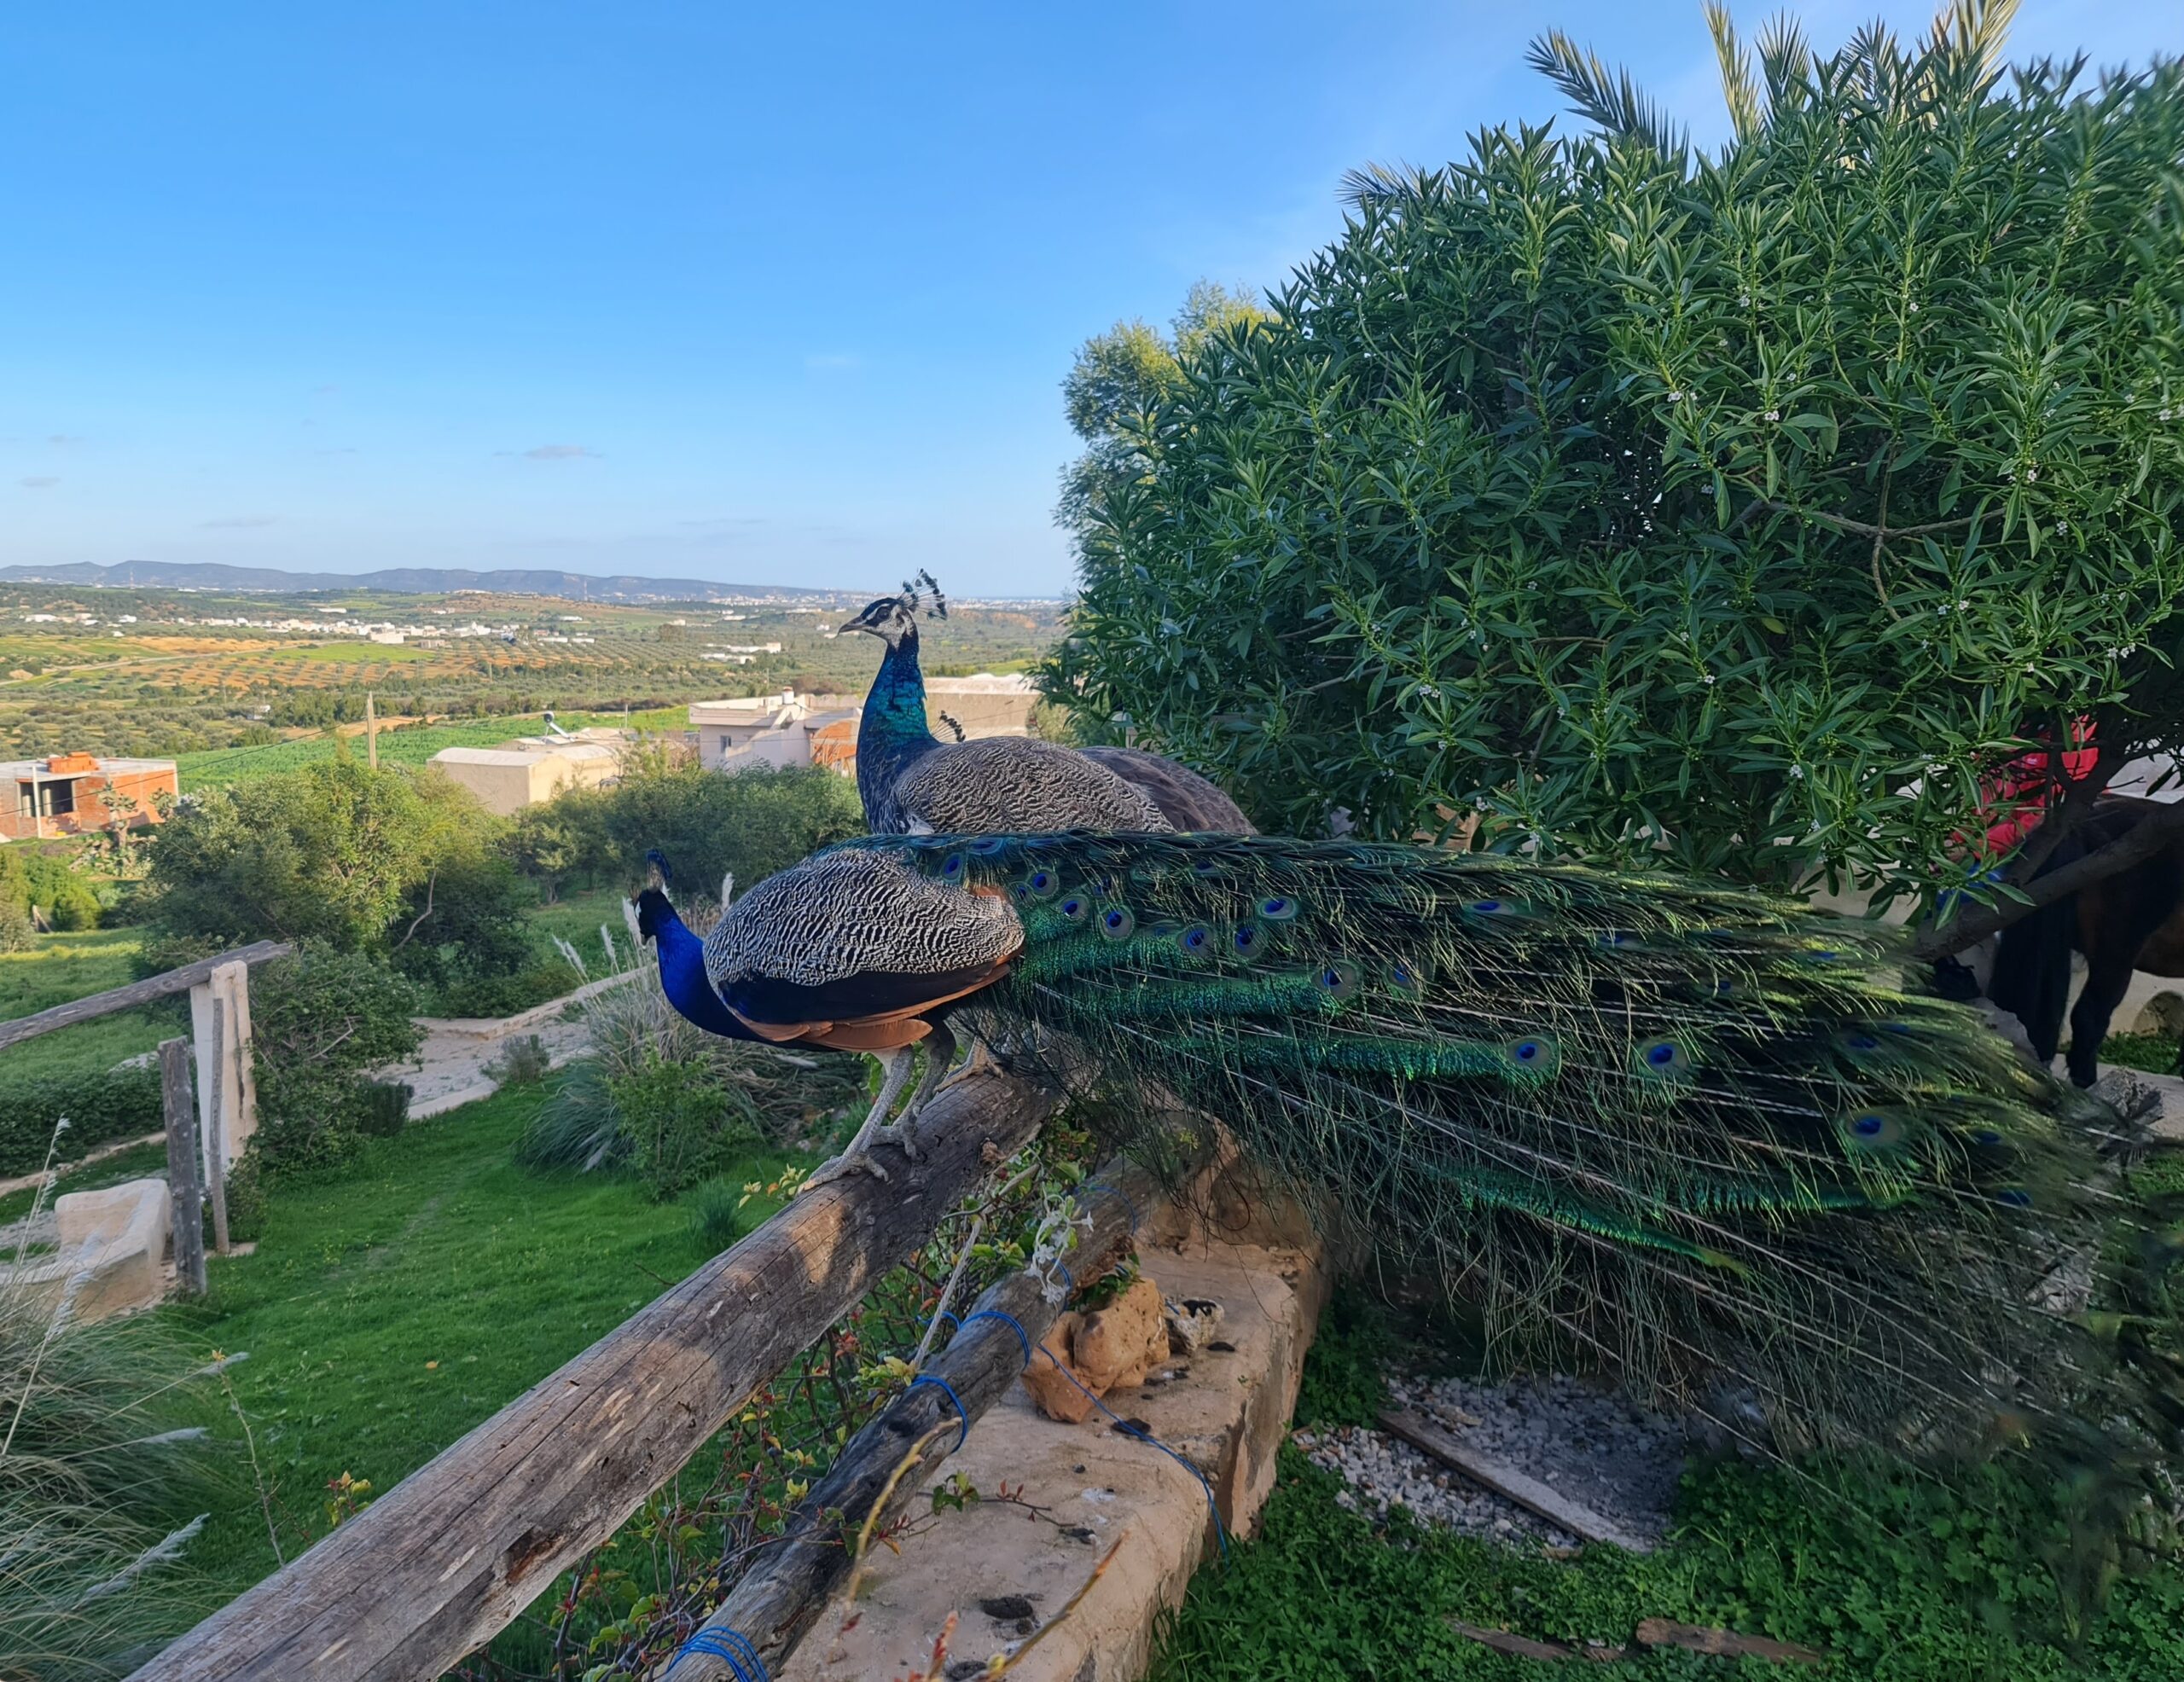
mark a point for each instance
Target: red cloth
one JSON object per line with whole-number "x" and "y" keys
{"x": 2019, "y": 790}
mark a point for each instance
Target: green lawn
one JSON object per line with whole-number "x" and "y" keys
{"x": 1895, "y": 1576}
{"x": 576, "y": 918}
{"x": 139, "y": 1162}
{"x": 61, "y": 967}
{"x": 388, "y": 1310}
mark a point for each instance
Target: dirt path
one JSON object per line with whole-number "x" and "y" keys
{"x": 449, "y": 1067}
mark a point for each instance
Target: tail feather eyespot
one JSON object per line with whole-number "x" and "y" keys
{"x": 1118, "y": 922}
{"x": 1073, "y": 907}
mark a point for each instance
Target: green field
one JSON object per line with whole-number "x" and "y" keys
{"x": 411, "y": 745}
{"x": 59, "y": 968}
{"x": 389, "y": 1309}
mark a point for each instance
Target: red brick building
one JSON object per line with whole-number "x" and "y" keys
{"x": 60, "y": 796}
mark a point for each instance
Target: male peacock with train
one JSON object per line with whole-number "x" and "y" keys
{"x": 1707, "y": 1138}
{"x": 911, "y": 782}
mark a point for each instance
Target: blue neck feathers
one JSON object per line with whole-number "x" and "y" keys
{"x": 893, "y": 734}
{"x": 683, "y": 979}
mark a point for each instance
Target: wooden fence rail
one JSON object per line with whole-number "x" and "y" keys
{"x": 781, "y": 1599}
{"x": 136, "y": 993}
{"x": 449, "y": 1557}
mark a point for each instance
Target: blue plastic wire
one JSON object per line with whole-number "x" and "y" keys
{"x": 1012, "y": 1323}
{"x": 962, "y": 1413}
{"x": 1068, "y": 1278}
{"x": 1220, "y": 1531}
{"x": 726, "y": 1644}
{"x": 944, "y": 1315}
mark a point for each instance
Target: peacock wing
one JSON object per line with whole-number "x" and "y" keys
{"x": 1187, "y": 800}
{"x": 852, "y": 936}
{"x": 1004, "y": 784}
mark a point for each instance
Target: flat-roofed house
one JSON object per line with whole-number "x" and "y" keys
{"x": 533, "y": 768}
{"x": 68, "y": 794}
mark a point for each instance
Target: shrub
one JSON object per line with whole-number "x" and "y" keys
{"x": 498, "y": 995}
{"x": 1742, "y": 511}
{"x": 717, "y": 1216}
{"x": 524, "y": 1062}
{"x": 753, "y": 824}
{"x": 382, "y": 1108}
{"x": 614, "y": 1110}
{"x": 119, "y": 1102}
{"x": 246, "y": 1198}
{"x": 320, "y": 1019}
{"x": 679, "y": 1121}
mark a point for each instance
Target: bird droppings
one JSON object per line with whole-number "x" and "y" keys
{"x": 1599, "y": 1448}
{"x": 1008, "y": 1609}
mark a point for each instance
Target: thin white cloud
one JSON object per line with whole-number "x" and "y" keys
{"x": 831, "y": 360}
{"x": 557, "y": 452}
{"x": 42, "y": 482}
{"x": 237, "y": 523}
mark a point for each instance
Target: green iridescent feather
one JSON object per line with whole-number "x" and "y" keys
{"x": 1710, "y": 1141}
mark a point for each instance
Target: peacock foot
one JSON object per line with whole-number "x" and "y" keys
{"x": 858, "y": 1161}
{"x": 979, "y": 1062}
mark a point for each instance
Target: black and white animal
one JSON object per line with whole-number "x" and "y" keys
{"x": 913, "y": 783}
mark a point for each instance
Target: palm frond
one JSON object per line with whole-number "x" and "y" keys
{"x": 1970, "y": 34}
{"x": 1785, "y": 60}
{"x": 1609, "y": 99}
{"x": 1738, "y": 89}
{"x": 1375, "y": 184}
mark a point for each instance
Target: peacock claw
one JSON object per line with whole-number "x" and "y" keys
{"x": 979, "y": 1062}
{"x": 850, "y": 1162}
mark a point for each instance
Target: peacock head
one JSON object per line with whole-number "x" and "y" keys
{"x": 654, "y": 913}
{"x": 891, "y": 618}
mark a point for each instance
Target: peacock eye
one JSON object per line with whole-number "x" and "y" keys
{"x": 1075, "y": 908}
{"x": 1279, "y": 909}
{"x": 953, "y": 867}
{"x": 1339, "y": 980}
{"x": 1117, "y": 922}
{"x": 1194, "y": 942}
{"x": 1246, "y": 939}
{"x": 987, "y": 845}
{"x": 1042, "y": 884}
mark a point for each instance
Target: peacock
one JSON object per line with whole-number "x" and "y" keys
{"x": 1709, "y": 1140}
{"x": 911, "y": 782}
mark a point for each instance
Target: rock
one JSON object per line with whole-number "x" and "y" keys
{"x": 2163, "y": 1015}
{"x": 1048, "y": 1383}
{"x": 1192, "y": 1322}
{"x": 1115, "y": 1346}
{"x": 2130, "y": 1095}
{"x": 2007, "y": 1026}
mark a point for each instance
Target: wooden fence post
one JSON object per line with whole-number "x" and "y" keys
{"x": 185, "y": 1165}
{"x": 216, "y": 1130}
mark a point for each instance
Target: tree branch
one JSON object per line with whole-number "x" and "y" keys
{"x": 2149, "y": 837}
{"x": 431, "y": 882}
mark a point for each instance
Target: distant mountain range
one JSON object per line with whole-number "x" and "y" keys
{"x": 405, "y": 580}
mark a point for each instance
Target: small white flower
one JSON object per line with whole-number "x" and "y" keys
{"x": 1675, "y": 397}
{"x": 2031, "y": 474}
{"x": 1798, "y": 771}
{"x": 1774, "y": 415}
{"x": 1914, "y": 306}
{"x": 1709, "y": 678}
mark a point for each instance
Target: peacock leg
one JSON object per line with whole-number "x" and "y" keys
{"x": 940, "y": 1051}
{"x": 895, "y": 1072}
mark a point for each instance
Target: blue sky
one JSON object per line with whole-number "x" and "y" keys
{"x": 777, "y": 294}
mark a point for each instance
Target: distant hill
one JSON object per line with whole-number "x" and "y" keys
{"x": 405, "y": 580}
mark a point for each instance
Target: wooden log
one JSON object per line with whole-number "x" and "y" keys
{"x": 1507, "y": 1481}
{"x": 185, "y": 1165}
{"x": 453, "y": 1552}
{"x": 779, "y": 1599}
{"x": 216, "y": 1130}
{"x": 136, "y": 993}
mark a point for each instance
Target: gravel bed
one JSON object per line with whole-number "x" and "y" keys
{"x": 1593, "y": 1446}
